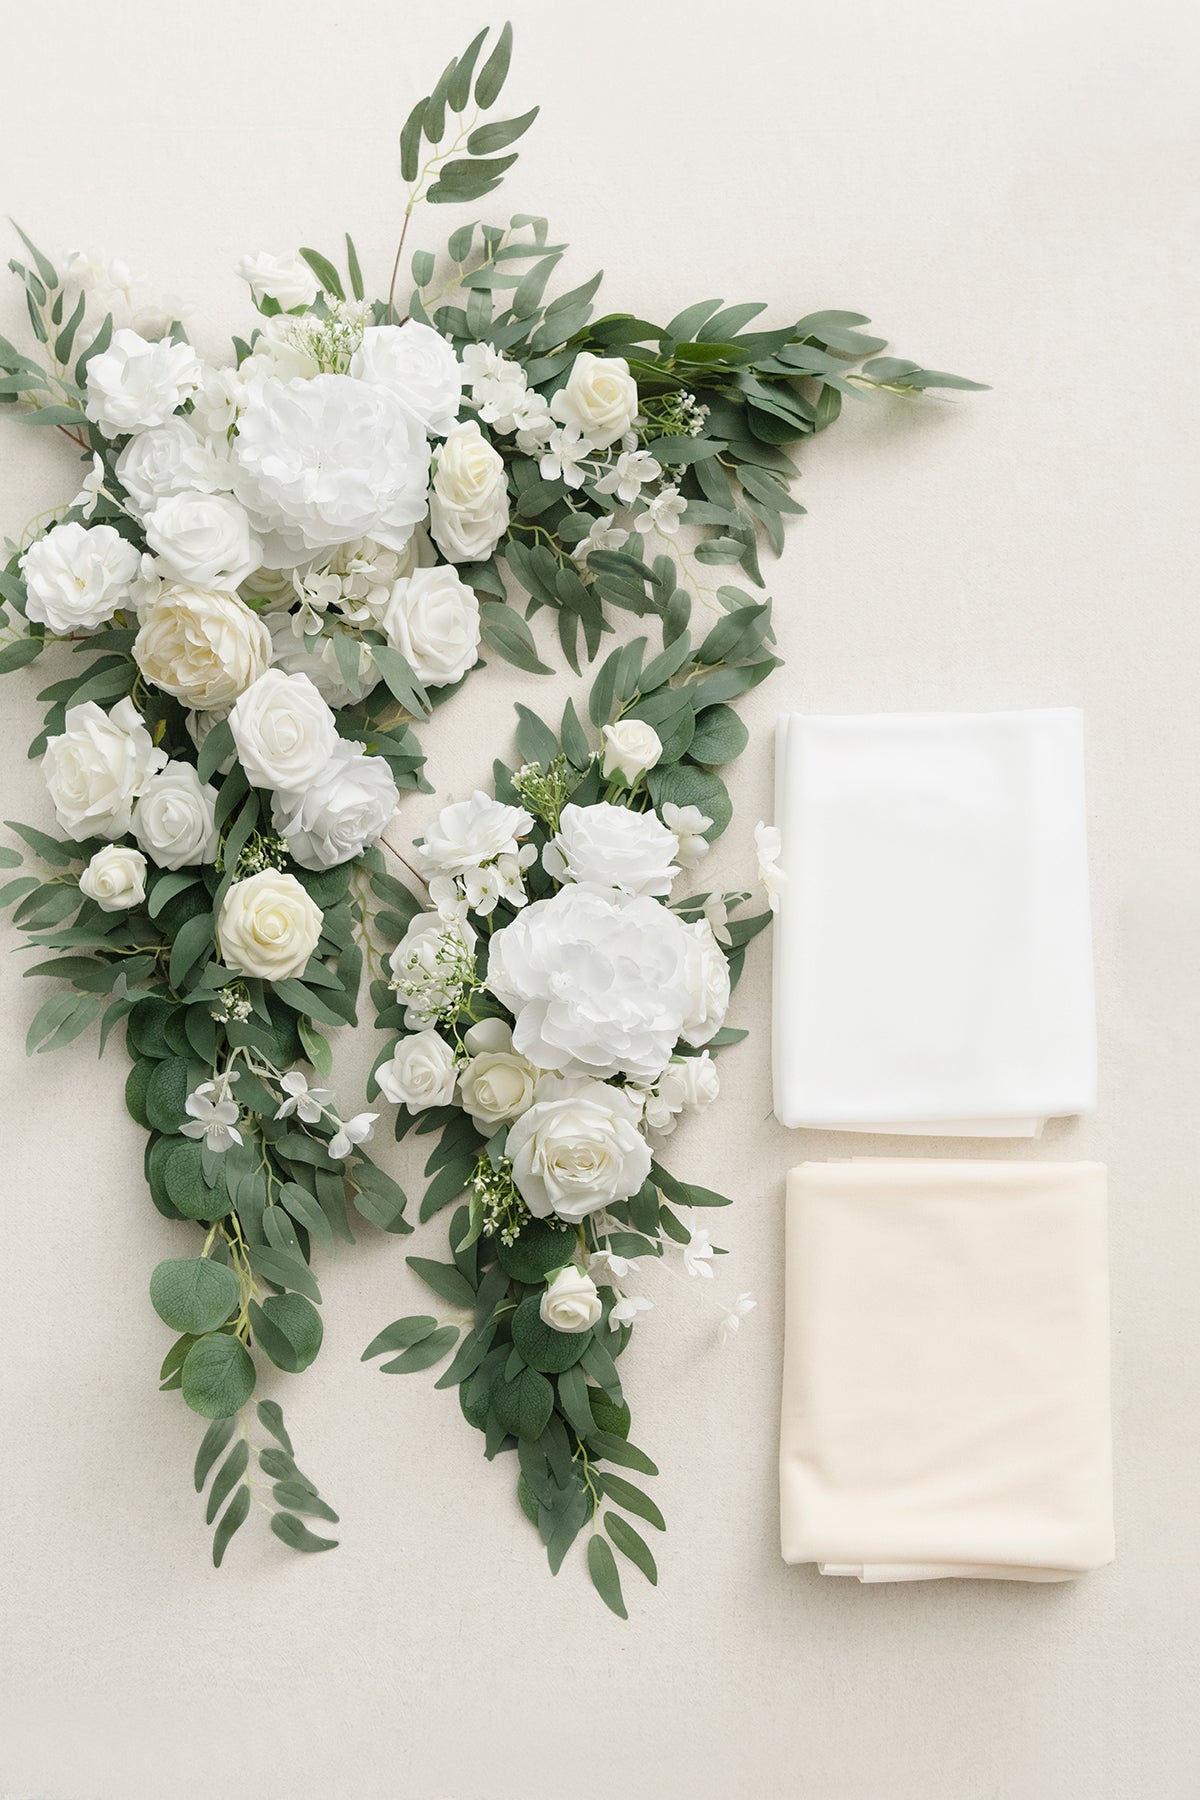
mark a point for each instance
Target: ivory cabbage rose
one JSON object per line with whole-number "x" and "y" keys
{"x": 708, "y": 974}
{"x": 268, "y": 926}
{"x": 577, "y": 1151}
{"x": 570, "y": 1303}
{"x": 599, "y": 399}
{"x": 96, "y": 768}
{"x": 202, "y": 539}
{"x": 611, "y": 845}
{"x": 468, "y": 503}
{"x": 169, "y": 459}
{"x": 497, "y": 1085}
{"x": 421, "y": 1072}
{"x": 77, "y": 576}
{"x": 416, "y": 365}
{"x": 630, "y": 748}
{"x": 204, "y": 648}
{"x": 115, "y": 878}
{"x": 287, "y": 280}
{"x": 338, "y": 814}
{"x": 600, "y": 982}
{"x": 432, "y": 618}
{"x": 284, "y": 731}
{"x": 135, "y": 384}
{"x": 174, "y": 820}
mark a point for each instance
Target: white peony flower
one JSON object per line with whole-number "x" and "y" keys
{"x": 287, "y": 280}
{"x": 202, "y": 539}
{"x": 610, "y": 845}
{"x": 600, "y": 399}
{"x": 570, "y": 1303}
{"x": 600, "y": 982}
{"x": 432, "y": 618}
{"x": 319, "y": 462}
{"x": 630, "y": 748}
{"x": 204, "y": 648}
{"x": 115, "y": 878}
{"x": 577, "y": 1151}
{"x": 431, "y": 965}
{"x": 174, "y": 819}
{"x": 689, "y": 825}
{"x": 626, "y": 1310}
{"x": 416, "y": 365}
{"x": 284, "y": 731}
{"x": 468, "y": 503}
{"x": 338, "y": 814}
{"x": 496, "y": 1085}
{"x": 768, "y": 840}
{"x": 169, "y": 459}
{"x": 709, "y": 978}
{"x": 98, "y": 766}
{"x": 77, "y": 576}
{"x": 268, "y": 926}
{"x": 135, "y": 384}
{"x": 421, "y": 1072}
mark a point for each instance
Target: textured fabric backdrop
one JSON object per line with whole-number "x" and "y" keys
{"x": 1010, "y": 192}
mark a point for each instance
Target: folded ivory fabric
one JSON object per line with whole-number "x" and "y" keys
{"x": 932, "y": 945}
{"x": 945, "y": 1379}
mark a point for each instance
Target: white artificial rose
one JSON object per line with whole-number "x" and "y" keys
{"x": 612, "y": 846}
{"x": 319, "y": 462}
{"x": 169, "y": 459}
{"x": 428, "y": 964}
{"x": 416, "y": 365}
{"x": 135, "y": 384}
{"x": 432, "y": 618}
{"x": 174, "y": 820}
{"x": 204, "y": 648}
{"x": 337, "y": 815}
{"x": 630, "y": 748}
{"x": 115, "y": 878}
{"x": 687, "y": 1084}
{"x": 284, "y": 731}
{"x": 421, "y": 1073}
{"x": 570, "y": 1304}
{"x": 77, "y": 576}
{"x": 708, "y": 974}
{"x": 268, "y": 926}
{"x": 98, "y": 766}
{"x": 599, "y": 982}
{"x": 285, "y": 279}
{"x": 600, "y": 399}
{"x": 202, "y": 539}
{"x": 316, "y": 657}
{"x": 468, "y": 833}
{"x": 497, "y": 1085}
{"x": 468, "y": 503}
{"x": 577, "y": 1151}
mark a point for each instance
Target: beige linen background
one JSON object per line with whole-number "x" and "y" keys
{"x": 1010, "y": 191}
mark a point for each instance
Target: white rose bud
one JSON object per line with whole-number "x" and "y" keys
{"x": 497, "y": 1085}
{"x": 417, "y": 366}
{"x": 630, "y": 748}
{"x": 600, "y": 397}
{"x": 570, "y": 1303}
{"x": 468, "y": 503}
{"x": 421, "y": 1073}
{"x": 135, "y": 384}
{"x": 432, "y": 618}
{"x": 115, "y": 878}
{"x": 204, "y": 648}
{"x": 174, "y": 819}
{"x": 203, "y": 539}
{"x": 287, "y": 280}
{"x": 690, "y": 1084}
{"x": 98, "y": 766}
{"x": 76, "y": 577}
{"x": 268, "y": 926}
{"x": 284, "y": 732}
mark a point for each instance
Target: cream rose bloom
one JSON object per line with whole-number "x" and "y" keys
{"x": 609, "y": 844}
{"x": 287, "y": 280}
{"x": 336, "y": 816}
{"x": 416, "y": 365}
{"x": 420, "y": 1074}
{"x": 204, "y": 648}
{"x": 268, "y": 926}
{"x": 284, "y": 732}
{"x": 600, "y": 398}
{"x": 578, "y": 1150}
{"x": 630, "y": 748}
{"x": 77, "y": 576}
{"x": 497, "y": 1084}
{"x": 468, "y": 503}
{"x": 174, "y": 820}
{"x": 432, "y": 618}
{"x": 98, "y": 766}
{"x": 115, "y": 878}
{"x": 570, "y": 1303}
{"x": 202, "y": 539}
{"x": 135, "y": 384}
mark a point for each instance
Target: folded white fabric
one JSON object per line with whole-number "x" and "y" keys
{"x": 945, "y": 1379}
{"x": 932, "y": 947}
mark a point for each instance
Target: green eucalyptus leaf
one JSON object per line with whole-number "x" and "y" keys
{"x": 193, "y": 1294}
